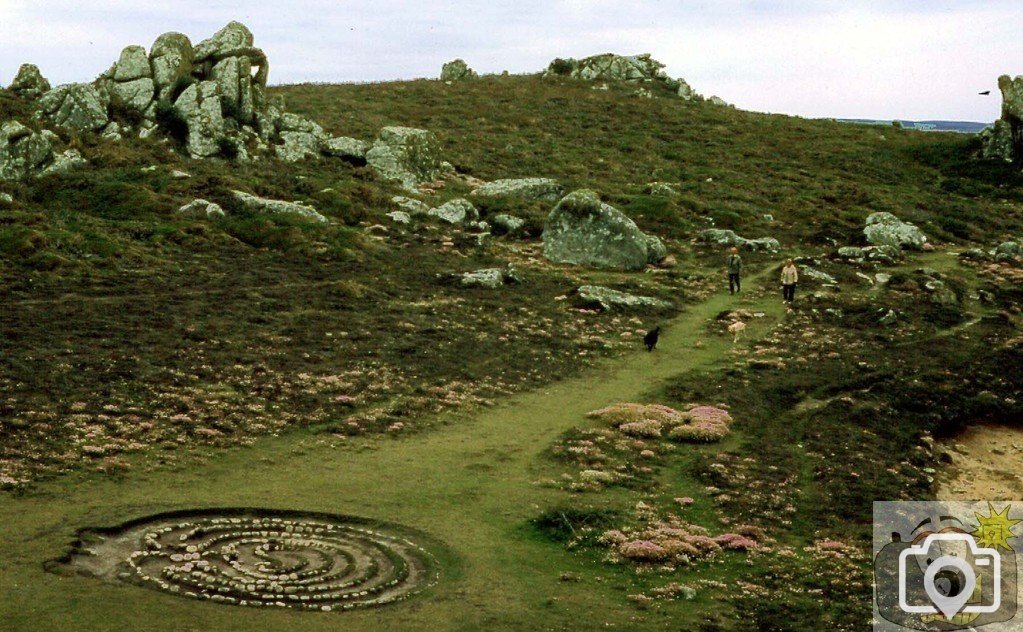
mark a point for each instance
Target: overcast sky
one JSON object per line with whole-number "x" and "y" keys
{"x": 915, "y": 59}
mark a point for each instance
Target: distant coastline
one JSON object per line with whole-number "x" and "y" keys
{"x": 963, "y": 127}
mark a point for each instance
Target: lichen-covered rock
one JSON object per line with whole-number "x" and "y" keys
{"x": 582, "y": 230}
{"x": 406, "y": 155}
{"x": 400, "y": 217}
{"x": 813, "y": 274}
{"x": 456, "y": 70}
{"x": 201, "y": 209}
{"x": 6, "y": 199}
{"x": 663, "y": 189}
{"x": 610, "y": 67}
{"x": 171, "y": 60}
{"x": 22, "y": 151}
{"x": 346, "y": 148}
{"x": 133, "y": 64}
{"x": 410, "y": 206}
{"x": 457, "y": 211}
{"x": 70, "y": 160}
{"x": 257, "y": 204}
{"x": 884, "y": 229}
{"x": 237, "y": 94}
{"x": 608, "y": 300}
{"x": 507, "y": 224}
{"x": 136, "y": 94}
{"x": 716, "y": 100}
{"x": 656, "y": 251}
{"x": 234, "y": 40}
{"x": 300, "y": 138}
{"x": 490, "y": 278}
{"x": 199, "y": 104}
{"x": 685, "y": 91}
{"x": 77, "y": 105}
{"x": 729, "y": 238}
{"x": 997, "y": 141}
{"x": 29, "y": 82}
{"x": 522, "y": 188}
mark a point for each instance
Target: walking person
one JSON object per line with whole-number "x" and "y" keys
{"x": 789, "y": 278}
{"x": 734, "y": 271}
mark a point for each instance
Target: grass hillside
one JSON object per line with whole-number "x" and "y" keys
{"x": 151, "y": 362}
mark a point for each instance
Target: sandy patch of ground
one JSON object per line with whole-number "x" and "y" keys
{"x": 987, "y": 464}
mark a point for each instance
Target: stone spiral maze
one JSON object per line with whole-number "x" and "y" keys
{"x": 265, "y": 559}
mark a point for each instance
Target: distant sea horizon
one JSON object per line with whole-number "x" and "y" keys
{"x": 963, "y": 127}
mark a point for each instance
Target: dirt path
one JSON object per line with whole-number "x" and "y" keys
{"x": 469, "y": 483}
{"x": 987, "y": 464}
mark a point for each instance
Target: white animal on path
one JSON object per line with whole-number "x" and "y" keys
{"x": 735, "y": 329}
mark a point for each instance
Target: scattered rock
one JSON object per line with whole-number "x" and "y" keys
{"x": 263, "y": 205}
{"x": 523, "y": 188}
{"x": 663, "y": 189}
{"x": 6, "y": 199}
{"x": 884, "y": 229}
{"x": 507, "y": 224}
{"x": 888, "y": 317}
{"x": 400, "y": 217}
{"x": 410, "y": 206}
{"x": 685, "y": 91}
{"x": 70, "y": 160}
{"x": 818, "y": 275}
{"x": 1007, "y": 250}
{"x": 457, "y": 70}
{"x": 728, "y": 238}
{"x": 457, "y": 211}
{"x": 490, "y": 278}
{"x": 716, "y": 100}
{"x": 608, "y": 300}
{"x": 201, "y": 209}
{"x": 300, "y": 138}
{"x": 350, "y": 149}
{"x": 29, "y": 82}
{"x": 582, "y": 230}
{"x": 406, "y": 155}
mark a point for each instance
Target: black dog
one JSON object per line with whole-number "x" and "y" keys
{"x": 650, "y": 339}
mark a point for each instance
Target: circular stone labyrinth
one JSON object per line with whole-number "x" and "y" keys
{"x": 252, "y": 557}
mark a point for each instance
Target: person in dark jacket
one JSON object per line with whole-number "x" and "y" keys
{"x": 734, "y": 271}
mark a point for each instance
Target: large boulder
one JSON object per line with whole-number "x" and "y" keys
{"x": 29, "y": 82}
{"x": 728, "y": 238}
{"x": 996, "y": 142}
{"x": 234, "y": 40}
{"x": 300, "y": 138}
{"x": 406, "y": 155}
{"x": 22, "y": 151}
{"x": 80, "y": 106}
{"x": 200, "y": 106}
{"x": 456, "y": 70}
{"x": 137, "y": 94}
{"x": 582, "y": 230}
{"x": 171, "y": 60}
{"x": 132, "y": 64}
{"x": 608, "y": 300}
{"x": 884, "y": 229}
{"x": 257, "y": 204}
{"x": 522, "y": 188}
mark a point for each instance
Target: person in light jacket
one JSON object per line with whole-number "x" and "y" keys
{"x": 789, "y": 278}
{"x": 734, "y": 265}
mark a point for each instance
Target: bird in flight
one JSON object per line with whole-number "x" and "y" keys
{"x": 984, "y": 93}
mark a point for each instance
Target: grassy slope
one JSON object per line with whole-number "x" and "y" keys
{"x": 818, "y": 178}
